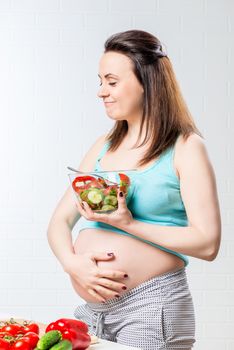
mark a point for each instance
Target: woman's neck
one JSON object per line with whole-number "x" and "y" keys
{"x": 132, "y": 135}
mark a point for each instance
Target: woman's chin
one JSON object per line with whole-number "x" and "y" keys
{"x": 115, "y": 117}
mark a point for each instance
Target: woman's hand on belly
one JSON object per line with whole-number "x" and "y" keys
{"x": 100, "y": 283}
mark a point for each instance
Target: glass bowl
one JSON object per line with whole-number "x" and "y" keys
{"x": 100, "y": 188}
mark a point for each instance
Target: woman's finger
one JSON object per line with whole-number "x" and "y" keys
{"x": 121, "y": 200}
{"x": 106, "y": 292}
{"x": 92, "y": 215}
{"x": 112, "y": 274}
{"x": 113, "y": 285}
{"x": 94, "y": 294}
{"x": 80, "y": 207}
{"x": 87, "y": 208}
{"x": 84, "y": 210}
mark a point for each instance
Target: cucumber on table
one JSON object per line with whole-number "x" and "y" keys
{"x": 49, "y": 339}
{"x": 62, "y": 345}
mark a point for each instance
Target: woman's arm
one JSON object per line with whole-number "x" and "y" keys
{"x": 60, "y": 227}
{"x": 66, "y": 215}
{"x": 82, "y": 268}
{"x": 201, "y": 239}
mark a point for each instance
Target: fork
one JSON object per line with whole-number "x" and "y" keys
{"x": 92, "y": 173}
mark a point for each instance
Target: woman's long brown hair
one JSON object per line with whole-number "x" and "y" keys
{"x": 165, "y": 112}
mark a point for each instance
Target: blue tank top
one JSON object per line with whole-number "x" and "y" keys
{"x": 156, "y": 199}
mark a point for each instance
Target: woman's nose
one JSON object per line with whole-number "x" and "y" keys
{"x": 103, "y": 92}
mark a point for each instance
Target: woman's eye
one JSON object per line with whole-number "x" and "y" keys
{"x": 112, "y": 84}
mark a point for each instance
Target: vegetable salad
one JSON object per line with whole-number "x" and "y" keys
{"x": 100, "y": 194}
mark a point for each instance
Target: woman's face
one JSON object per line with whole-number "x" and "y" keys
{"x": 120, "y": 90}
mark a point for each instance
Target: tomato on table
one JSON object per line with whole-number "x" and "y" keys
{"x": 13, "y": 329}
{"x": 21, "y": 344}
{"x": 4, "y": 344}
{"x": 32, "y": 338}
{"x": 32, "y": 327}
{"x": 4, "y": 334}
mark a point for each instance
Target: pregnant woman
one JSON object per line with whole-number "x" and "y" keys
{"x": 130, "y": 265}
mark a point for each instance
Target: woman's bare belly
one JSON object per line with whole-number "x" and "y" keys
{"x": 139, "y": 260}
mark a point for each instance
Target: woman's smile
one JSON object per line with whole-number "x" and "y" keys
{"x": 108, "y": 104}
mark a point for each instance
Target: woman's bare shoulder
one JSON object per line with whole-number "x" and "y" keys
{"x": 89, "y": 159}
{"x": 189, "y": 146}
{"x": 193, "y": 140}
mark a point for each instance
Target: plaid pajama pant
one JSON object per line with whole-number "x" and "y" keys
{"x": 156, "y": 315}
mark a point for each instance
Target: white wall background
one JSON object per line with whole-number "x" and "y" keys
{"x": 49, "y": 52}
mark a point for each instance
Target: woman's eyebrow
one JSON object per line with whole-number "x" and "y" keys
{"x": 108, "y": 74}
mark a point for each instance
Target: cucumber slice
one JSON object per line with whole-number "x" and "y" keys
{"x": 83, "y": 195}
{"x": 95, "y": 196}
{"x": 111, "y": 200}
{"x": 108, "y": 207}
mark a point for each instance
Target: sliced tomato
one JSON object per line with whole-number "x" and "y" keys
{"x": 124, "y": 179}
{"x": 111, "y": 190}
{"x": 124, "y": 183}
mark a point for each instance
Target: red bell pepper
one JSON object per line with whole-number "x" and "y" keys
{"x": 64, "y": 323}
{"x": 79, "y": 339}
{"x": 85, "y": 178}
{"x": 79, "y": 179}
{"x": 73, "y": 330}
{"x": 82, "y": 183}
